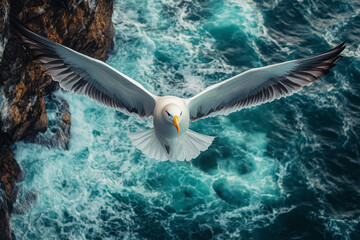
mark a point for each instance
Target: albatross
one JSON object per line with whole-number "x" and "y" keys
{"x": 170, "y": 138}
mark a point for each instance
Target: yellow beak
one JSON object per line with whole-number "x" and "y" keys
{"x": 176, "y": 123}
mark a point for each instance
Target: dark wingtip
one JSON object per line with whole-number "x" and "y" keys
{"x": 15, "y": 22}
{"x": 18, "y": 28}
{"x": 336, "y": 51}
{"x": 338, "y": 59}
{"x": 340, "y": 47}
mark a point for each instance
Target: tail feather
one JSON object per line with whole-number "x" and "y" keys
{"x": 185, "y": 148}
{"x": 147, "y": 142}
{"x": 140, "y": 137}
{"x": 202, "y": 142}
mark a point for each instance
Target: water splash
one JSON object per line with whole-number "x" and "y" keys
{"x": 269, "y": 168}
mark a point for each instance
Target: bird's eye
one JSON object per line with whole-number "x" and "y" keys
{"x": 168, "y": 113}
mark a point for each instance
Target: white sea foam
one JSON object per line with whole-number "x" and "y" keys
{"x": 102, "y": 169}
{"x": 4, "y": 110}
{"x": 104, "y": 188}
{"x": 103, "y": 172}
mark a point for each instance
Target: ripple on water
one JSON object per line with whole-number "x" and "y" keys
{"x": 269, "y": 168}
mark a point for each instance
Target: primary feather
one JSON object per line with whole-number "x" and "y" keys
{"x": 260, "y": 85}
{"x": 83, "y": 75}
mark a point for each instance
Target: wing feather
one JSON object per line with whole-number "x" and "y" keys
{"x": 260, "y": 85}
{"x": 87, "y": 76}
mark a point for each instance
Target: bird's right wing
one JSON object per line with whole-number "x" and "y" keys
{"x": 87, "y": 76}
{"x": 260, "y": 85}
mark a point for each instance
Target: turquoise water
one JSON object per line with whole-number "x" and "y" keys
{"x": 282, "y": 170}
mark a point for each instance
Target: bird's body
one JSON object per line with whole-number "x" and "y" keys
{"x": 171, "y": 138}
{"x": 165, "y": 141}
{"x": 165, "y": 129}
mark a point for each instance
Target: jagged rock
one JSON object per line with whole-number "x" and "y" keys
{"x": 5, "y": 232}
{"x": 58, "y": 134}
{"x": 10, "y": 172}
{"x": 4, "y": 13}
{"x": 23, "y": 85}
{"x": 66, "y": 118}
{"x": 24, "y": 203}
{"x": 73, "y": 23}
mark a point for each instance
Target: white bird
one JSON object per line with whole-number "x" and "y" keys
{"x": 170, "y": 138}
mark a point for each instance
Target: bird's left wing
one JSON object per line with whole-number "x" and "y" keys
{"x": 87, "y": 76}
{"x": 260, "y": 85}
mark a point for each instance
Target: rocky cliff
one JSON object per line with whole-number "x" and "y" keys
{"x": 81, "y": 25}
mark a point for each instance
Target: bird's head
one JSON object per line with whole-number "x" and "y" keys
{"x": 173, "y": 114}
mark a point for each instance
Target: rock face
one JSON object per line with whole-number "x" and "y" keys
{"x": 4, "y": 12}
{"x": 83, "y": 25}
{"x": 73, "y": 23}
{"x": 61, "y": 131}
{"x": 10, "y": 172}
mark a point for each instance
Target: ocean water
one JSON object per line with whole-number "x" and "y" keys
{"x": 282, "y": 170}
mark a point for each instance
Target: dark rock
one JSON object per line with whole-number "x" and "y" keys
{"x": 24, "y": 202}
{"x": 4, "y": 26}
{"x": 10, "y": 172}
{"x": 58, "y": 134}
{"x": 24, "y": 85}
{"x": 5, "y": 232}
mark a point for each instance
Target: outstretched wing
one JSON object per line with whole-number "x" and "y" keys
{"x": 260, "y": 85}
{"x": 87, "y": 76}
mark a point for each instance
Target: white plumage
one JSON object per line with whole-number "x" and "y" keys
{"x": 170, "y": 138}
